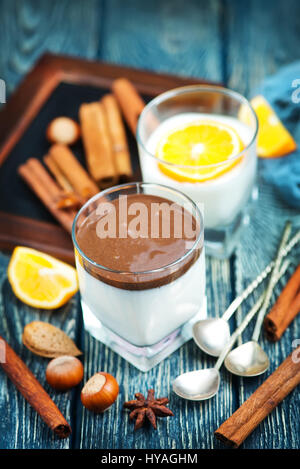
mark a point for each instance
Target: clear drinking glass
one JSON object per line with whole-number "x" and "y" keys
{"x": 223, "y": 189}
{"x": 143, "y": 316}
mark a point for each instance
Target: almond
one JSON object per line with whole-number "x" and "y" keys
{"x": 48, "y": 341}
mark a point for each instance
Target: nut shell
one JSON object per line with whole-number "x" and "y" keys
{"x": 100, "y": 392}
{"x": 64, "y": 372}
{"x": 48, "y": 341}
{"x": 63, "y": 130}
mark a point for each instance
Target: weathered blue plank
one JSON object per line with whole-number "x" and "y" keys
{"x": 166, "y": 36}
{"x": 282, "y": 428}
{"x": 261, "y": 37}
{"x": 20, "y": 426}
{"x": 260, "y": 40}
{"x": 30, "y": 28}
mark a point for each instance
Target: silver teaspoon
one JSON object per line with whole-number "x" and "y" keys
{"x": 212, "y": 334}
{"x": 203, "y": 384}
{"x": 250, "y": 359}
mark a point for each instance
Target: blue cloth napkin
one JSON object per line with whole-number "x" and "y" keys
{"x": 282, "y": 91}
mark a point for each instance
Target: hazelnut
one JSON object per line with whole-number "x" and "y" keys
{"x": 100, "y": 392}
{"x": 64, "y": 372}
{"x": 63, "y": 130}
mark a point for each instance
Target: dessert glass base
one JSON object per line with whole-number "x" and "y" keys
{"x": 143, "y": 358}
{"x": 220, "y": 243}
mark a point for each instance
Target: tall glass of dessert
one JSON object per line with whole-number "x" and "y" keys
{"x": 201, "y": 140}
{"x": 139, "y": 251}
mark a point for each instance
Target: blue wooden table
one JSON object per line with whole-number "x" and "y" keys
{"x": 235, "y": 42}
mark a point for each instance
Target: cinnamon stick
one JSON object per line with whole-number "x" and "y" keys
{"x": 46, "y": 189}
{"x": 97, "y": 144}
{"x": 80, "y": 181}
{"x": 118, "y": 136}
{"x": 70, "y": 200}
{"x": 32, "y": 390}
{"x": 285, "y": 309}
{"x": 57, "y": 174}
{"x": 129, "y": 100}
{"x": 244, "y": 420}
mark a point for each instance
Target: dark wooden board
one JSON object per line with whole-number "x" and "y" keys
{"x": 35, "y": 234}
{"x": 56, "y": 86}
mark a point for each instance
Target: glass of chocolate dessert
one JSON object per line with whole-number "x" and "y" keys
{"x": 139, "y": 251}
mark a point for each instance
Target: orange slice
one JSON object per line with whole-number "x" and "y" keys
{"x": 273, "y": 138}
{"x": 40, "y": 280}
{"x": 201, "y": 144}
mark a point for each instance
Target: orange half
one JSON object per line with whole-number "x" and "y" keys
{"x": 201, "y": 144}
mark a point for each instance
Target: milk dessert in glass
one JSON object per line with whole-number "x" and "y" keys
{"x": 202, "y": 140}
{"x": 141, "y": 268}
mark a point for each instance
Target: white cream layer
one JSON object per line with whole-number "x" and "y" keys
{"x": 221, "y": 198}
{"x": 145, "y": 317}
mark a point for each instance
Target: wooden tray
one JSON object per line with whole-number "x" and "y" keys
{"x": 57, "y": 85}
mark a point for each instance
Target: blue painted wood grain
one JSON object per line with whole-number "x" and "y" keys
{"x": 237, "y": 42}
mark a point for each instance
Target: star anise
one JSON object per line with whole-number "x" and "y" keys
{"x": 150, "y": 408}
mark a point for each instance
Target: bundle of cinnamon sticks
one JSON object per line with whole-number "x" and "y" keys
{"x": 104, "y": 140}
{"x": 107, "y": 155}
{"x": 49, "y": 192}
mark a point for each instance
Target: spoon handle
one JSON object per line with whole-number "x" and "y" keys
{"x": 270, "y": 287}
{"x": 253, "y": 285}
{"x": 248, "y": 318}
{"x": 238, "y": 331}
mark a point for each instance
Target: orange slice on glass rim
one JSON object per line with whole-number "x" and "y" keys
{"x": 199, "y": 151}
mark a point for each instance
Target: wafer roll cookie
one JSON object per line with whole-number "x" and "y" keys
{"x": 118, "y": 136}
{"x": 97, "y": 144}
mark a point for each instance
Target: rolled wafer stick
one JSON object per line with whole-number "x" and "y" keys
{"x": 97, "y": 144}
{"x": 80, "y": 181}
{"x": 285, "y": 309}
{"x": 32, "y": 390}
{"x": 279, "y": 384}
{"x": 129, "y": 100}
{"x": 46, "y": 189}
{"x": 118, "y": 136}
